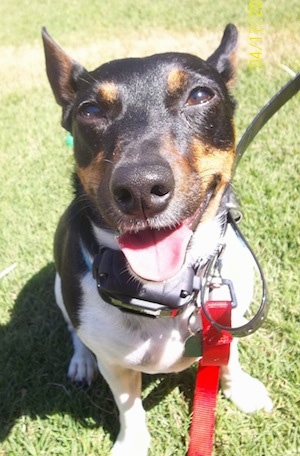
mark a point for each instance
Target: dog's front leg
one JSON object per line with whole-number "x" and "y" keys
{"x": 246, "y": 392}
{"x": 126, "y": 384}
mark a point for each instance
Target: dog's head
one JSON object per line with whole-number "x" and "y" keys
{"x": 154, "y": 145}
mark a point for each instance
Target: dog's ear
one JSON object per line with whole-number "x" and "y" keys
{"x": 223, "y": 59}
{"x": 63, "y": 73}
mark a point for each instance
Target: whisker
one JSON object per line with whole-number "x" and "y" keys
{"x": 88, "y": 81}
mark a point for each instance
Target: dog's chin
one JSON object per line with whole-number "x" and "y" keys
{"x": 157, "y": 251}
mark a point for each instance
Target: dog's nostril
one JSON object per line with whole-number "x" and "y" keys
{"x": 159, "y": 190}
{"x": 123, "y": 196}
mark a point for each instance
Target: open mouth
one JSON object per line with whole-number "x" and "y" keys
{"x": 158, "y": 255}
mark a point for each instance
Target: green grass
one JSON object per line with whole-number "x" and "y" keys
{"x": 77, "y": 21}
{"x": 41, "y": 413}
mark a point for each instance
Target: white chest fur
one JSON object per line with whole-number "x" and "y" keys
{"x": 142, "y": 343}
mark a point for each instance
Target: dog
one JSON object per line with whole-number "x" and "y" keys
{"x": 154, "y": 149}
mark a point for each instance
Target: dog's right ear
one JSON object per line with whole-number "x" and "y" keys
{"x": 223, "y": 59}
{"x": 63, "y": 73}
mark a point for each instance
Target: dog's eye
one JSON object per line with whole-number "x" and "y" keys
{"x": 90, "y": 111}
{"x": 199, "y": 95}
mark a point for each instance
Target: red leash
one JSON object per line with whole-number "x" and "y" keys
{"x": 216, "y": 348}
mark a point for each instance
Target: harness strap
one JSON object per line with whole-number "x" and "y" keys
{"x": 216, "y": 349}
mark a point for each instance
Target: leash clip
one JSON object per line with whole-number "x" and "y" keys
{"x": 214, "y": 279}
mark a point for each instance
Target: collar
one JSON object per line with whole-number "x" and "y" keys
{"x": 152, "y": 299}
{"x": 189, "y": 288}
{"x": 117, "y": 287}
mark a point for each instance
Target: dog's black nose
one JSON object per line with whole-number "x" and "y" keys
{"x": 142, "y": 191}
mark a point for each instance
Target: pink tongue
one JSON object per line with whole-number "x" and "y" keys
{"x": 156, "y": 255}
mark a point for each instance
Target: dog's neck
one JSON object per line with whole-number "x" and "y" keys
{"x": 119, "y": 287}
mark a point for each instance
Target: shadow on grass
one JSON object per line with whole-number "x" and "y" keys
{"x": 34, "y": 356}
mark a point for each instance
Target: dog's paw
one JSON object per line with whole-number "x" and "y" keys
{"x": 135, "y": 445}
{"x": 83, "y": 367}
{"x": 247, "y": 393}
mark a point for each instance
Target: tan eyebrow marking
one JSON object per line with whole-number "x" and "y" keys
{"x": 177, "y": 81}
{"x": 108, "y": 92}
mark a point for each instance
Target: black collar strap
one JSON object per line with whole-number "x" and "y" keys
{"x": 170, "y": 298}
{"x": 153, "y": 299}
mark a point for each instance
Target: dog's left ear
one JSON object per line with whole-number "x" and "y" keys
{"x": 223, "y": 59}
{"x": 63, "y": 73}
